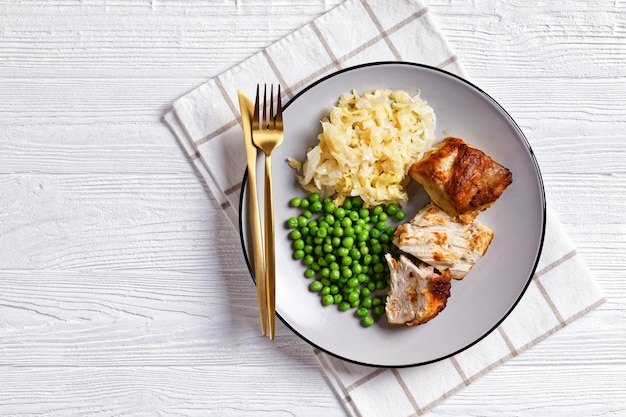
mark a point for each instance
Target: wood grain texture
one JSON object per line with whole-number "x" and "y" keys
{"x": 123, "y": 290}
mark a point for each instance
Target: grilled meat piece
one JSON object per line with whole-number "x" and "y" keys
{"x": 417, "y": 292}
{"x": 437, "y": 239}
{"x": 460, "y": 179}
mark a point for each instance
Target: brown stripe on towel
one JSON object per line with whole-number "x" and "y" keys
{"x": 365, "y": 379}
{"x": 216, "y": 133}
{"x": 542, "y": 289}
{"x": 381, "y": 29}
{"x": 448, "y": 61}
{"x": 556, "y": 263}
{"x": 231, "y": 105}
{"x": 278, "y": 74}
{"x": 406, "y": 391}
{"x": 508, "y": 342}
{"x": 459, "y": 370}
{"x": 316, "y": 30}
{"x": 307, "y": 80}
{"x": 546, "y": 296}
{"x": 232, "y": 189}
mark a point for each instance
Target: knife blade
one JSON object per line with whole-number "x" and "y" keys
{"x": 247, "y": 109}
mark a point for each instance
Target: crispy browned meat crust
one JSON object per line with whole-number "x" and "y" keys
{"x": 461, "y": 179}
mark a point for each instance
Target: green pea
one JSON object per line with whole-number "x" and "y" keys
{"x": 399, "y": 215}
{"x": 309, "y": 273}
{"x": 292, "y": 222}
{"x": 298, "y": 254}
{"x": 328, "y": 300}
{"x": 329, "y": 207}
{"x": 316, "y": 207}
{"x": 352, "y": 297}
{"x": 344, "y": 306}
{"x": 298, "y": 244}
{"x": 377, "y": 248}
{"x": 308, "y": 259}
{"x": 361, "y": 312}
{"x": 347, "y": 242}
{"x": 295, "y": 202}
{"x": 357, "y": 202}
{"x": 314, "y": 197}
{"x": 367, "y": 321}
{"x": 379, "y": 310}
{"x": 347, "y": 204}
{"x": 335, "y": 274}
{"x": 392, "y": 209}
{"x": 343, "y": 252}
{"x": 316, "y": 286}
{"x": 366, "y": 302}
{"x": 338, "y": 299}
{"x": 340, "y": 212}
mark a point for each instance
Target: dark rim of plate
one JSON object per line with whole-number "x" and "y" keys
{"x": 541, "y": 190}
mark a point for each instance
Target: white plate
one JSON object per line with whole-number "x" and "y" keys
{"x": 487, "y": 294}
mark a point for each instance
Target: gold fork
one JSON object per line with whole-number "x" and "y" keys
{"x": 267, "y": 134}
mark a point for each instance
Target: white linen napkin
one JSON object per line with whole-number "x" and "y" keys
{"x": 206, "y": 121}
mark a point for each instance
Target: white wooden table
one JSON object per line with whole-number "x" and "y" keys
{"x": 123, "y": 290}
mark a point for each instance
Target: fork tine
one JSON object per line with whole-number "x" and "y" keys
{"x": 279, "y": 111}
{"x": 264, "y": 118}
{"x": 271, "y": 122}
{"x": 255, "y": 117}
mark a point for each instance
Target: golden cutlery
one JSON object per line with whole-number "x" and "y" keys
{"x": 267, "y": 134}
{"x": 247, "y": 109}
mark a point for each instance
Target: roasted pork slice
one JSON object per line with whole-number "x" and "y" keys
{"x": 417, "y": 291}
{"x": 461, "y": 179}
{"x": 435, "y": 238}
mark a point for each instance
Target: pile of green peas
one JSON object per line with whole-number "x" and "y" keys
{"x": 343, "y": 248}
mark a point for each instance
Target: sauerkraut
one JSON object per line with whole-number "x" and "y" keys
{"x": 367, "y": 145}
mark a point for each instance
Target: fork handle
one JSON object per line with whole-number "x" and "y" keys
{"x": 270, "y": 259}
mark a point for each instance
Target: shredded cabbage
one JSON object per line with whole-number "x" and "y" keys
{"x": 367, "y": 145}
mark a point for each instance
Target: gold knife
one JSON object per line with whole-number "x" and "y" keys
{"x": 247, "y": 109}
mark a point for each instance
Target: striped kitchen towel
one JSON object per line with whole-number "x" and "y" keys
{"x": 206, "y": 121}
